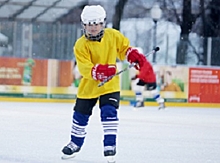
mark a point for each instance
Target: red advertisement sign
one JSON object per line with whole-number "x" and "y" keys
{"x": 204, "y": 85}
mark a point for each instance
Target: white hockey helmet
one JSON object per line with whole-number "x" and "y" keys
{"x": 93, "y": 14}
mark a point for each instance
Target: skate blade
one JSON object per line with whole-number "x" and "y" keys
{"x": 66, "y": 157}
{"x": 110, "y": 159}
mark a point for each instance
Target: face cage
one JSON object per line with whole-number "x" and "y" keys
{"x": 94, "y": 38}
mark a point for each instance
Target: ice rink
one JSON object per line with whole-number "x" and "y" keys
{"x": 36, "y": 133}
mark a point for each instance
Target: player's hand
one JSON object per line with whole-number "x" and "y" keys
{"x": 134, "y": 77}
{"x": 101, "y": 72}
{"x": 133, "y": 56}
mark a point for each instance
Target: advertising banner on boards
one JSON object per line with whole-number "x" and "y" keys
{"x": 204, "y": 85}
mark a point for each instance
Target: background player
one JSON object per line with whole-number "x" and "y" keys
{"x": 145, "y": 80}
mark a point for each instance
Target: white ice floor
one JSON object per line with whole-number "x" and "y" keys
{"x": 36, "y": 133}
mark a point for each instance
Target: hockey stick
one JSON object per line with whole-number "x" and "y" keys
{"x": 125, "y": 69}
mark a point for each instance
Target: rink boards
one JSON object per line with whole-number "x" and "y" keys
{"x": 68, "y": 94}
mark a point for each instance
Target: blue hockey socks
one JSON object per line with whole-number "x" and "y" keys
{"x": 79, "y": 123}
{"x": 109, "y": 121}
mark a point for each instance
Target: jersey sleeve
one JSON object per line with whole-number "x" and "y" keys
{"x": 122, "y": 44}
{"x": 83, "y": 60}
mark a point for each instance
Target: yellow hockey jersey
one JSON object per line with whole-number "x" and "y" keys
{"x": 112, "y": 46}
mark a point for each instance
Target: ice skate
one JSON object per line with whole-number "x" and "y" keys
{"x": 70, "y": 151}
{"x": 161, "y": 104}
{"x": 139, "y": 104}
{"x": 109, "y": 153}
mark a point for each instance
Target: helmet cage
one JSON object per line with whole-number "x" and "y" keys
{"x": 94, "y": 38}
{"x": 91, "y": 37}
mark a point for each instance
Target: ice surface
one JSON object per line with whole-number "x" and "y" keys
{"x": 36, "y": 133}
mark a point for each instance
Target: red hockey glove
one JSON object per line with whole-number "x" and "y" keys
{"x": 146, "y": 73}
{"x": 102, "y": 72}
{"x": 133, "y": 56}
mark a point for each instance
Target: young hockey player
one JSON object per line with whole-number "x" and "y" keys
{"x": 96, "y": 53}
{"x": 147, "y": 82}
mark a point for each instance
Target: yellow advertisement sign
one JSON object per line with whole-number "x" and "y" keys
{"x": 172, "y": 81}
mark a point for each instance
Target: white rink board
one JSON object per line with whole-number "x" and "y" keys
{"x": 36, "y": 133}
